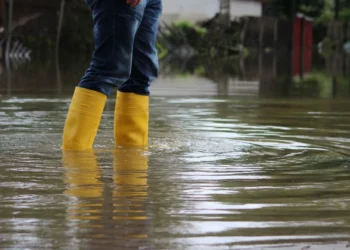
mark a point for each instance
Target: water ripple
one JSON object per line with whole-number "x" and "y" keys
{"x": 220, "y": 173}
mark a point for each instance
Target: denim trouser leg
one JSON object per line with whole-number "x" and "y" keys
{"x": 115, "y": 27}
{"x": 145, "y": 59}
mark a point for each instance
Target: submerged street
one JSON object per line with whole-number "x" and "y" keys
{"x": 221, "y": 172}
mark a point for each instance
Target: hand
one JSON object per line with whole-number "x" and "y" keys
{"x": 133, "y": 3}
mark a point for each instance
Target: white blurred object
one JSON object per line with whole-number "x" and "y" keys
{"x": 199, "y": 10}
{"x": 19, "y": 52}
{"x": 347, "y": 47}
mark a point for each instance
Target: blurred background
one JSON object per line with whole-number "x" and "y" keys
{"x": 230, "y": 47}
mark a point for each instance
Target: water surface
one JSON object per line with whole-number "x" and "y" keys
{"x": 220, "y": 173}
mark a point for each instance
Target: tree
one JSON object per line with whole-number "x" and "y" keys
{"x": 345, "y": 3}
{"x": 344, "y": 14}
{"x": 329, "y": 12}
{"x": 312, "y": 8}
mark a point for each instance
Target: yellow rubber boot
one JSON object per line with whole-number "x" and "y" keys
{"x": 83, "y": 119}
{"x": 131, "y": 119}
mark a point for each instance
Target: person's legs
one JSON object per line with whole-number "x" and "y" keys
{"x": 115, "y": 27}
{"x": 145, "y": 59}
{"x": 131, "y": 112}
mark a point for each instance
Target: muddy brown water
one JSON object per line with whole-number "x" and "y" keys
{"x": 221, "y": 172}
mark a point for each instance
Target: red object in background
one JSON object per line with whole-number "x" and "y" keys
{"x": 308, "y": 45}
{"x": 303, "y": 42}
{"x": 296, "y": 46}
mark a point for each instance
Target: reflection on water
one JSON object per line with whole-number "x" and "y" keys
{"x": 107, "y": 212}
{"x": 220, "y": 173}
{"x": 264, "y": 73}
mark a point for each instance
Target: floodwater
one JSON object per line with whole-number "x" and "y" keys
{"x": 234, "y": 171}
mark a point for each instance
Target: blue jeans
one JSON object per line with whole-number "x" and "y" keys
{"x": 125, "y": 55}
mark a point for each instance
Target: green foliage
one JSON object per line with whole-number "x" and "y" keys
{"x": 321, "y": 10}
{"x": 344, "y": 15}
{"x": 162, "y": 51}
{"x": 222, "y": 41}
{"x": 317, "y": 84}
{"x": 327, "y": 47}
{"x": 328, "y": 11}
{"x": 309, "y": 86}
{"x": 184, "y": 33}
{"x": 327, "y": 14}
{"x": 344, "y": 3}
{"x": 312, "y": 8}
{"x": 245, "y": 52}
{"x": 186, "y": 26}
{"x": 199, "y": 70}
{"x": 343, "y": 85}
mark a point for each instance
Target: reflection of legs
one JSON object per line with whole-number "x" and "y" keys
{"x": 130, "y": 177}
{"x": 130, "y": 197}
{"x": 131, "y": 113}
{"x": 90, "y": 197}
{"x": 130, "y": 194}
{"x": 82, "y": 177}
{"x": 115, "y": 26}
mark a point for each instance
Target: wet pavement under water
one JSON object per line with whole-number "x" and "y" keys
{"x": 221, "y": 172}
